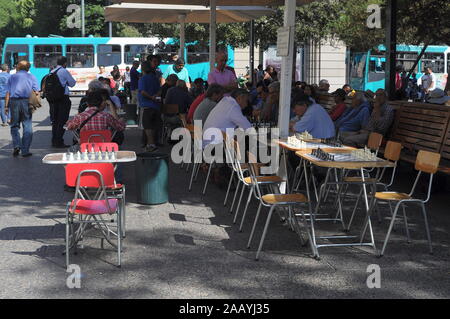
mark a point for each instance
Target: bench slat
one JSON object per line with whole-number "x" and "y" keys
{"x": 420, "y": 129}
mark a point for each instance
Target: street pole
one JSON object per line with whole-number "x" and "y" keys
{"x": 110, "y": 24}
{"x": 252, "y": 51}
{"x": 391, "y": 46}
{"x": 182, "y": 20}
{"x": 286, "y": 71}
{"x": 212, "y": 34}
{"x": 83, "y": 30}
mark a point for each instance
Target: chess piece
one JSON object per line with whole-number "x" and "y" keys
{"x": 99, "y": 155}
{"x": 78, "y": 156}
{"x": 64, "y": 157}
{"x": 71, "y": 158}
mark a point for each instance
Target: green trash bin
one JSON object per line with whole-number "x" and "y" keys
{"x": 152, "y": 178}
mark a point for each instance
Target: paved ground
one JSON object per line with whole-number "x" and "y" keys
{"x": 189, "y": 248}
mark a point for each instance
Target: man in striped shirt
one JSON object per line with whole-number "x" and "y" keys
{"x": 98, "y": 122}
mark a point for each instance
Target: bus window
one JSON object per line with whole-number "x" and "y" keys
{"x": 407, "y": 60}
{"x": 46, "y": 56}
{"x": 137, "y": 52}
{"x": 80, "y": 56}
{"x": 167, "y": 52}
{"x": 377, "y": 67}
{"x": 198, "y": 53}
{"x": 435, "y": 61}
{"x": 15, "y": 53}
{"x": 109, "y": 54}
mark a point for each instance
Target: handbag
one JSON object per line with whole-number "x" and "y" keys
{"x": 34, "y": 101}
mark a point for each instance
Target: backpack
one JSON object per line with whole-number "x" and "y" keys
{"x": 53, "y": 89}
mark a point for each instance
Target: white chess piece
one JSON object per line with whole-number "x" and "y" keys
{"x": 71, "y": 158}
{"x": 64, "y": 157}
{"x": 106, "y": 156}
{"x": 78, "y": 156}
{"x": 113, "y": 156}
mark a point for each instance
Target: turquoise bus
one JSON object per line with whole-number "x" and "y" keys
{"x": 367, "y": 69}
{"x": 85, "y": 55}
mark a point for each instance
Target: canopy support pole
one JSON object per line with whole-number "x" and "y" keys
{"x": 286, "y": 71}
{"x": 212, "y": 34}
{"x": 391, "y": 46}
{"x": 252, "y": 53}
{"x": 182, "y": 19}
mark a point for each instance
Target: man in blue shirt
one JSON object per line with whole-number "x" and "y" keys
{"x": 178, "y": 69}
{"x": 61, "y": 108}
{"x": 149, "y": 86}
{"x": 355, "y": 118}
{"x": 4, "y": 76}
{"x": 313, "y": 119}
{"x": 18, "y": 90}
{"x": 134, "y": 82}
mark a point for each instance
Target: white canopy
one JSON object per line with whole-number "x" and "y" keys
{"x": 163, "y": 13}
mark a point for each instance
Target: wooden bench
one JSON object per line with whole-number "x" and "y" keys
{"x": 420, "y": 126}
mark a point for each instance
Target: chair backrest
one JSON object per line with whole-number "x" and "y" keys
{"x": 99, "y": 147}
{"x": 254, "y": 172}
{"x": 393, "y": 151}
{"x": 104, "y": 136}
{"x": 428, "y": 162}
{"x": 90, "y": 180}
{"x": 375, "y": 140}
{"x": 170, "y": 109}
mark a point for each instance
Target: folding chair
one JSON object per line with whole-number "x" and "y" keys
{"x": 90, "y": 209}
{"x": 113, "y": 189}
{"x": 104, "y": 136}
{"x": 428, "y": 163}
{"x": 392, "y": 154}
{"x": 273, "y": 201}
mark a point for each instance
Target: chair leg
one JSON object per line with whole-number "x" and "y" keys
{"x": 390, "y": 229}
{"x": 238, "y": 205}
{"x": 254, "y": 226}
{"x": 235, "y": 195}
{"x": 229, "y": 187}
{"x": 123, "y": 218}
{"x": 355, "y": 209}
{"x": 67, "y": 238}
{"x": 207, "y": 178}
{"x": 406, "y": 224}
{"x": 119, "y": 237}
{"x": 263, "y": 237}
{"x": 192, "y": 175}
{"x": 427, "y": 228}
{"x": 246, "y": 208}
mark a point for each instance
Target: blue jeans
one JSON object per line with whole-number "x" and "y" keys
{"x": 2, "y": 111}
{"x": 20, "y": 113}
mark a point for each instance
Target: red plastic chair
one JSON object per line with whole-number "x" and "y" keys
{"x": 90, "y": 183}
{"x": 104, "y": 136}
{"x": 90, "y": 209}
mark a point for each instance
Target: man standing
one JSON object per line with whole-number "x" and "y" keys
{"x": 134, "y": 82}
{"x": 221, "y": 75}
{"x": 4, "y": 76}
{"x": 61, "y": 107}
{"x": 18, "y": 90}
{"x": 428, "y": 82}
{"x": 178, "y": 69}
{"x": 149, "y": 86}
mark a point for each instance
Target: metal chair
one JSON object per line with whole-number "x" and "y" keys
{"x": 391, "y": 153}
{"x": 426, "y": 162}
{"x": 90, "y": 209}
{"x": 169, "y": 110}
{"x": 273, "y": 201}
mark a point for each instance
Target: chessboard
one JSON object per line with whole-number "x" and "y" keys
{"x": 296, "y": 143}
{"x": 360, "y": 155}
{"x": 89, "y": 157}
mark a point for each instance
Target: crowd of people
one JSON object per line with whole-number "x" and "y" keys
{"x": 218, "y": 102}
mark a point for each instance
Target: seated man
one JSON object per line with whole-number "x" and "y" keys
{"x": 340, "y": 107}
{"x": 198, "y": 88}
{"x": 313, "y": 119}
{"x": 269, "y": 112}
{"x": 380, "y": 122}
{"x": 324, "y": 86}
{"x": 228, "y": 115}
{"x": 213, "y": 95}
{"x": 355, "y": 118}
{"x": 171, "y": 82}
{"x": 179, "y": 95}
{"x": 95, "y": 118}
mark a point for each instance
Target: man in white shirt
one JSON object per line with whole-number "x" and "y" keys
{"x": 428, "y": 81}
{"x": 226, "y": 115}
